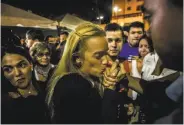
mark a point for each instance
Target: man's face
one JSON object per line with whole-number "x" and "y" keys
{"x": 17, "y": 70}
{"x": 166, "y": 27}
{"x": 134, "y": 35}
{"x": 63, "y": 37}
{"x": 52, "y": 40}
{"x": 94, "y": 60}
{"x": 29, "y": 42}
{"x": 115, "y": 42}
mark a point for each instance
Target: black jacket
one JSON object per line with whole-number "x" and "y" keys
{"x": 76, "y": 101}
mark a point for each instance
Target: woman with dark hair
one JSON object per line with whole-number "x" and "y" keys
{"x": 145, "y": 46}
{"x": 22, "y": 100}
{"x": 135, "y": 63}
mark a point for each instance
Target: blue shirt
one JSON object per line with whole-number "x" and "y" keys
{"x": 127, "y": 50}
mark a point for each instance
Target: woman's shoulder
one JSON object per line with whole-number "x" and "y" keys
{"x": 73, "y": 80}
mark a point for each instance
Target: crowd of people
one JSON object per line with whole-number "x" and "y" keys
{"x": 97, "y": 76}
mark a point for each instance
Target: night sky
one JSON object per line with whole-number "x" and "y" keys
{"x": 86, "y": 9}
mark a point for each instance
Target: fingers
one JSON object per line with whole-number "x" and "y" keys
{"x": 109, "y": 82}
{"x": 114, "y": 66}
{"x": 122, "y": 72}
{"x": 110, "y": 79}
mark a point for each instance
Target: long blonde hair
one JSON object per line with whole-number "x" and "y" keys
{"x": 74, "y": 44}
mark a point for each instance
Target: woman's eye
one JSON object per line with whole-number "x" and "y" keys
{"x": 8, "y": 69}
{"x": 22, "y": 65}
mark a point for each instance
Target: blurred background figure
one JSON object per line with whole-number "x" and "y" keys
{"x": 33, "y": 36}
{"x": 43, "y": 69}
{"x": 60, "y": 46}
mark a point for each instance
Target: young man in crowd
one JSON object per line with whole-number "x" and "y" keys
{"x": 135, "y": 32}
{"x": 33, "y": 36}
{"x": 114, "y": 35}
{"x": 166, "y": 28}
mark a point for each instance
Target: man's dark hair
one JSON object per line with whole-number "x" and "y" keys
{"x": 113, "y": 27}
{"x": 125, "y": 28}
{"x": 64, "y": 32}
{"x": 47, "y": 37}
{"x": 35, "y": 34}
{"x": 136, "y": 24}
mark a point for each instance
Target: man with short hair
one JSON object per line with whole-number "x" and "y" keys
{"x": 166, "y": 28}
{"x": 33, "y": 36}
{"x": 60, "y": 46}
{"x": 114, "y": 35}
{"x": 135, "y": 32}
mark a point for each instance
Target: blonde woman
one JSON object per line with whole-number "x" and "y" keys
{"x": 75, "y": 92}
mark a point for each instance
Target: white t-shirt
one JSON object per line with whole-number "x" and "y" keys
{"x": 149, "y": 64}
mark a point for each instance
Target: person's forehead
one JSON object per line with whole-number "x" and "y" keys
{"x": 143, "y": 41}
{"x": 64, "y": 35}
{"x": 13, "y": 59}
{"x": 96, "y": 44}
{"x": 113, "y": 33}
{"x": 134, "y": 29}
{"x": 44, "y": 50}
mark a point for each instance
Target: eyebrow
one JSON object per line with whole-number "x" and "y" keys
{"x": 100, "y": 52}
{"x": 21, "y": 61}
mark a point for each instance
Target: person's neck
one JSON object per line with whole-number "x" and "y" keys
{"x": 29, "y": 90}
{"x": 129, "y": 44}
{"x": 43, "y": 67}
{"x": 112, "y": 58}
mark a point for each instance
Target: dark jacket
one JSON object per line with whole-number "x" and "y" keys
{"x": 76, "y": 101}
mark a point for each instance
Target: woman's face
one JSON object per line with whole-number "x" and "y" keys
{"x": 143, "y": 48}
{"x": 94, "y": 61}
{"x": 17, "y": 70}
{"x": 43, "y": 57}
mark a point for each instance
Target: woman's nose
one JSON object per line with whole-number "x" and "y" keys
{"x": 104, "y": 60}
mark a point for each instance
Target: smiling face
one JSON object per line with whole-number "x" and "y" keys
{"x": 143, "y": 48}
{"x": 43, "y": 57}
{"x": 134, "y": 35}
{"x": 166, "y": 28}
{"x": 115, "y": 42}
{"x": 94, "y": 56}
{"x": 17, "y": 70}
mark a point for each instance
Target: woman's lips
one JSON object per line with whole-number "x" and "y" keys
{"x": 20, "y": 80}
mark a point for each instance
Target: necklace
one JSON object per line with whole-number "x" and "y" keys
{"x": 26, "y": 93}
{"x": 43, "y": 70}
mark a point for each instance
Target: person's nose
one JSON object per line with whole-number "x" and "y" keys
{"x": 44, "y": 56}
{"x": 136, "y": 35}
{"x": 114, "y": 44}
{"x": 104, "y": 60}
{"x": 17, "y": 71}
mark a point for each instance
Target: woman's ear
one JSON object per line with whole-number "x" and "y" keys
{"x": 31, "y": 66}
{"x": 77, "y": 60}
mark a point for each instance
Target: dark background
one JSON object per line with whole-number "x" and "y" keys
{"x": 56, "y": 9}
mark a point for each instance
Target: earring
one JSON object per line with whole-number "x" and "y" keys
{"x": 78, "y": 62}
